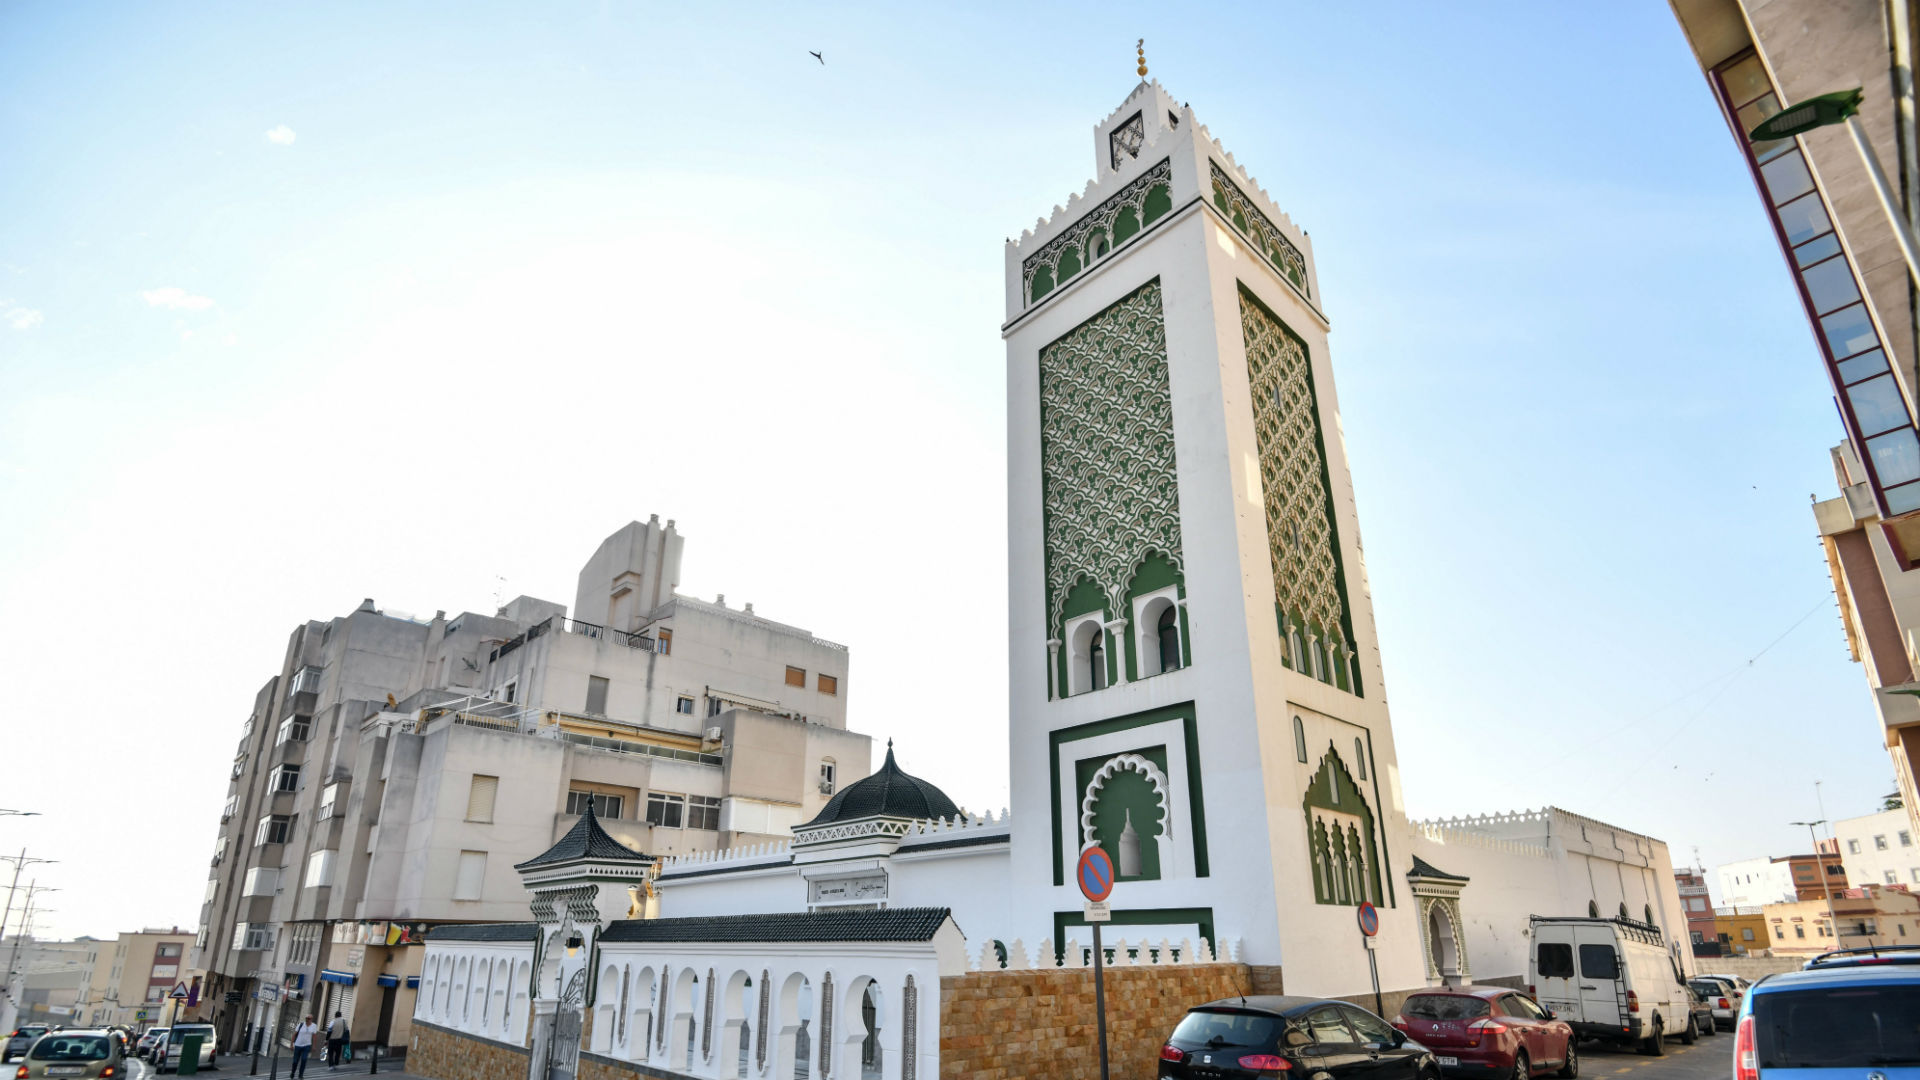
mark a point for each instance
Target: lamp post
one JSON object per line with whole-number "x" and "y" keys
{"x": 1843, "y": 107}
{"x": 1820, "y": 865}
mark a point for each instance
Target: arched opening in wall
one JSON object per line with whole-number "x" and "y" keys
{"x": 460, "y": 988}
{"x": 1300, "y": 740}
{"x": 733, "y": 1042}
{"x": 1360, "y": 758}
{"x": 1159, "y": 645}
{"x": 1446, "y": 950}
{"x": 502, "y": 983}
{"x": 1296, "y": 652}
{"x": 1086, "y": 655}
{"x": 605, "y": 1011}
{"x": 792, "y": 1019}
{"x": 1649, "y": 911}
{"x": 517, "y": 997}
{"x": 680, "y": 1013}
{"x": 1124, "y": 808}
{"x": 1623, "y": 910}
{"x": 1593, "y": 909}
{"x": 638, "y": 1037}
{"x": 1098, "y": 247}
{"x": 861, "y": 1039}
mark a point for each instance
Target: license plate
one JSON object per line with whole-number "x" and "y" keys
{"x": 66, "y": 1070}
{"x": 1448, "y": 1060}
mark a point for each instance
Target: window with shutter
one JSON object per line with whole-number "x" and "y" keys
{"x": 473, "y": 871}
{"x": 480, "y": 798}
{"x": 596, "y": 696}
{"x": 829, "y": 685}
{"x": 796, "y": 676}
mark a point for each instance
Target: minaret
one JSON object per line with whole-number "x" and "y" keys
{"x": 1187, "y": 599}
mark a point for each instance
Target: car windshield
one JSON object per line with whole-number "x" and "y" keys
{"x": 179, "y": 1034}
{"x": 1444, "y": 1007}
{"x": 1237, "y": 1029}
{"x": 31, "y": 1032}
{"x": 1846, "y": 1027}
{"x": 70, "y": 1048}
{"x": 1708, "y": 989}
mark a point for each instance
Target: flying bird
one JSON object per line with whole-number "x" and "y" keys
{"x": 817, "y": 56}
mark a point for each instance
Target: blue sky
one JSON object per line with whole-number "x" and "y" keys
{"x": 522, "y": 274}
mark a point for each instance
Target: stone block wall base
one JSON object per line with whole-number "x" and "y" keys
{"x": 999, "y": 1025}
{"x": 445, "y": 1054}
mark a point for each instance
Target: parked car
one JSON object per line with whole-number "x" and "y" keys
{"x": 1489, "y": 1031}
{"x": 1724, "y": 997}
{"x": 1737, "y": 982}
{"x": 73, "y": 1054}
{"x": 166, "y": 1052}
{"x": 21, "y": 1039}
{"x": 1853, "y": 1013}
{"x": 1626, "y": 988}
{"x": 153, "y": 1038}
{"x": 1261, "y": 1035}
{"x": 1701, "y": 1015}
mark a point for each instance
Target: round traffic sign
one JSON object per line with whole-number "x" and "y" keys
{"x": 1095, "y": 874}
{"x": 1369, "y": 918}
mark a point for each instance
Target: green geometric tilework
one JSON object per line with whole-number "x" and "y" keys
{"x": 1286, "y": 423}
{"x": 1108, "y": 482}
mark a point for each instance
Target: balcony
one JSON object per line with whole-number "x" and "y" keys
{"x": 641, "y": 642}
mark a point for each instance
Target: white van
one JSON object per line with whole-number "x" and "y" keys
{"x": 1612, "y": 979}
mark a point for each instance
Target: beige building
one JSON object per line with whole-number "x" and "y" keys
{"x": 1843, "y": 255}
{"x": 127, "y": 980}
{"x": 1869, "y": 916}
{"x": 392, "y": 774}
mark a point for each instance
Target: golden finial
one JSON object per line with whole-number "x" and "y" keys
{"x": 1143, "y": 57}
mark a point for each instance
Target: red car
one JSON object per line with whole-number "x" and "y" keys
{"x": 1489, "y": 1031}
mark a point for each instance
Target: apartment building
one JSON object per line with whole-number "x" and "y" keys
{"x": 394, "y": 771}
{"x": 1841, "y": 251}
{"x": 1696, "y": 900}
{"x": 1772, "y": 879}
{"x": 1879, "y": 849}
{"x": 1860, "y": 918}
{"x": 127, "y": 980}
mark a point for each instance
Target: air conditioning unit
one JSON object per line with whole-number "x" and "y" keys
{"x": 713, "y": 734}
{"x": 826, "y": 787}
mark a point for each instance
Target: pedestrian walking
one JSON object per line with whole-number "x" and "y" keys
{"x": 336, "y": 1039}
{"x": 303, "y": 1046}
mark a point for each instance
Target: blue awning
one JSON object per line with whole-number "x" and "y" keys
{"x": 388, "y": 980}
{"x": 413, "y": 982}
{"x": 341, "y": 977}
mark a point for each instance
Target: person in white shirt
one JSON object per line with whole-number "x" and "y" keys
{"x": 303, "y": 1046}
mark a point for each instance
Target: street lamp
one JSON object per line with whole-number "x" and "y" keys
{"x": 1843, "y": 107}
{"x": 1820, "y": 865}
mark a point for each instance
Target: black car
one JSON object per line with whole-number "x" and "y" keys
{"x": 1265, "y": 1035}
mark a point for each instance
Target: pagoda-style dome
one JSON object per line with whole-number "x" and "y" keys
{"x": 888, "y": 793}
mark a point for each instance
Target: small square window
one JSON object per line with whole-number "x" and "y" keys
{"x": 1879, "y": 843}
{"x": 684, "y": 705}
{"x": 829, "y": 685}
{"x": 1906, "y": 838}
{"x": 1853, "y": 847}
{"x": 796, "y": 676}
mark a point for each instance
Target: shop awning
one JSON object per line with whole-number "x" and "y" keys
{"x": 341, "y": 977}
{"x": 388, "y": 980}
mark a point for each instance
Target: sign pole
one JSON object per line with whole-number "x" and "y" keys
{"x": 1095, "y": 876}
{"x": 1374, "y": 967}
{"x": 1100, "y": 997}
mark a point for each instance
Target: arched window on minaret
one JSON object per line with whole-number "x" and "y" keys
{"x": 1340, "y": 873}
{"x": 1097, "y": 661}
{"x": 1358, "y": 863}
{"x": 1322, "y": 872}
{"x": 1299, "y": 739}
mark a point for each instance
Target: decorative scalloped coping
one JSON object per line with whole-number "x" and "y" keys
{"x": 1259, "y": 230}
{"x": 1119, "y": 219}
{"x": 1139, "y": 953}
{"x": 775, "y": 849}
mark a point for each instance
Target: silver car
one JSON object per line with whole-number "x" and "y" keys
{"x": 1723, "y": 995}
{"x": 20, "y": 1040}
{"x": 166, "y": 1055}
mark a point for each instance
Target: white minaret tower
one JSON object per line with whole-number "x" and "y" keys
{"x": 1192, "y": 645}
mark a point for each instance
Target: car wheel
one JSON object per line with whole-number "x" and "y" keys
{"x": 1692, "y": 1033}
{"x": 1571, "y": 1069}
{"x": 1522, "y": 1068}
{"x": 1656, "y": 1045}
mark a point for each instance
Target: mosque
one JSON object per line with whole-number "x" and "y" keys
{"x": 1195, "y": 687}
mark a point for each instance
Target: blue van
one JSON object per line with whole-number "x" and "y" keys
{"x": 1853, "y": 1013}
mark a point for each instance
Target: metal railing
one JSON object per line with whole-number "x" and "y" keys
{"x": 593, "y": 630}
{"x": 622, "y": 746}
